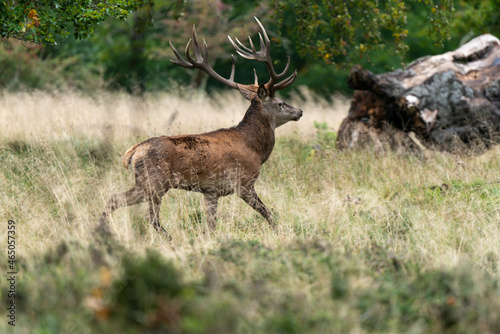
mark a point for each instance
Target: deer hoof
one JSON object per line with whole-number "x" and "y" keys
{"x": 164, "y": 232}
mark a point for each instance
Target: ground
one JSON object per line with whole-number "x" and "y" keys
{"x": 366, "y": 242}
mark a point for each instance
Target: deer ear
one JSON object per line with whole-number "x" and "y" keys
{"x": 262, "y": 92}
{"x": 246, "y": 93}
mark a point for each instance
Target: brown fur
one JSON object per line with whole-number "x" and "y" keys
{"x": 128, "y": 156}
{"x": 217, "y": 163}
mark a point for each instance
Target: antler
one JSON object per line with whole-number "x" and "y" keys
{"x": 264, "y": 55}
{"x": 201, "y": 61}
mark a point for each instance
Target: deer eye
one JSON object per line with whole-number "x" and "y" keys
{"x": 280, "y": 105}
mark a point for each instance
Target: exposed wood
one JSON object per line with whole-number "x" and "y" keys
{"x": 450, "y": 102}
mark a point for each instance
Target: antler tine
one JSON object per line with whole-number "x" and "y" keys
{"x": 243, "y": 46}
{"x": 268, "y": 42}
{"x": 188, "y": 56}
{"x": 241, "y": 49}
{"x": 233, "y": 69}
{"x": 282, "y": 74}
{"x": 254, "y": 52}
{"x": 264, "y": 55}
{"x": 179, "y": 61}
{"x": 262, "y": 47}
{"x": 201, "y": 61}
{"x": 286, "y": 82}
{"x": 256, "y": 78}
{"x": 205, "y": 50}
{"x": 197, "y": 52}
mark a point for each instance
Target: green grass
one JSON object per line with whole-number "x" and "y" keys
{"x": 366, "y": 242}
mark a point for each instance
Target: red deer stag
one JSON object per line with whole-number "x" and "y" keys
{"x": 217, "y": 163}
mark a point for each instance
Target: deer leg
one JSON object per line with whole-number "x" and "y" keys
{"x": 118, "y": 200}
{"x": 154, "y": 201}
{"x": 211, "y": 209}
{"x": 251, "y": 198}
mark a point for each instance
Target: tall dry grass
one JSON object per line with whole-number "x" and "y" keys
{"x": 75, "y": 142}
{"x": 37, "y": 115}
{"x": 369, "y": 236}
{"x": 68, "y": 161}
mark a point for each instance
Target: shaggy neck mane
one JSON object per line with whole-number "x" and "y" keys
{"x": 257, "y": 129}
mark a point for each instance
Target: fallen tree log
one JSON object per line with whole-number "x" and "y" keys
{"x": 446, "y": 102}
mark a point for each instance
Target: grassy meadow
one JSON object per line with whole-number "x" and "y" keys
{"x": 366, "y": 243}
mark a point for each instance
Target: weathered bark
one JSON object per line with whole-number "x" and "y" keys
{"x": 447, "y": 102}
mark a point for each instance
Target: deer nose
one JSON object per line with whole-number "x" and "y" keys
{"x": 299, "y": 115}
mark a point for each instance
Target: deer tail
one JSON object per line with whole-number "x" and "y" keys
{"x": 127, "y": 157}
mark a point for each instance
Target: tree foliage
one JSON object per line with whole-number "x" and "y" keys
{"x": 134, "y": 54}
{"x": 477, "y": 17}
{"x": 50, "y": 21}
{"x": 339, "y": 31}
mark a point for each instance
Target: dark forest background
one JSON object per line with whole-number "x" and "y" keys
{"x": 133, "y": 55}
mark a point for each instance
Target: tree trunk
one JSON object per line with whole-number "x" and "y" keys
{"x": 137, "y": 64}
{"x": 446, "y": 102}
